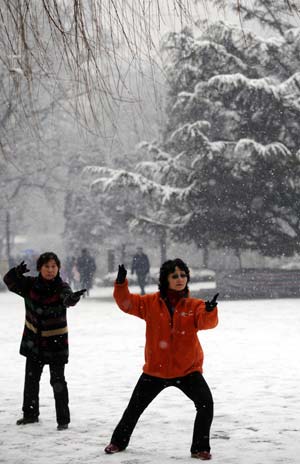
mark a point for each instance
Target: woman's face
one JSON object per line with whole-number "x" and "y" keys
{"x": 49, "y": 270}
{"x": 177, "y": 279}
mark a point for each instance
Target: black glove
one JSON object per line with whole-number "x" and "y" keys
{"x": 72, "y": 298}
{"x": 78, "y": 294}
{"x": 210, "y": 305}
{"x": 122, "y": 273}
{"x": 21, "y": 269}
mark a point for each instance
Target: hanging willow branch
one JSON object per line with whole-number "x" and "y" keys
{"x": 88, "y": 46}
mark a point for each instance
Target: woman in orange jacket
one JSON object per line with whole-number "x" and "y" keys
{"x": 173, "y": 354}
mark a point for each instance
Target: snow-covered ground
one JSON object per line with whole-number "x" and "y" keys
{"x": 251, "y": 365}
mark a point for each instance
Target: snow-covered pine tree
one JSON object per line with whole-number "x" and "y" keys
{"x": 245, "y": 106}
{"x": 276, "y": 16}
{"x": 229, "y": 151}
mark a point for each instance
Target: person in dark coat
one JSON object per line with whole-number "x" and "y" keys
{"x": 141, "y": 266}
{"x": 45, "y": 336}
{"x": 86, "y": 267}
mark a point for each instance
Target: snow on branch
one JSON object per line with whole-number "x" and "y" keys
{"x": 174, "y": 221}
{"x": 191, "y": 133}
{"x": 119, "y": 181}
{"x": 248, "y": 149}
{"x": 183, "y": 101}
{"x": 230, "y": 36}
{"x": 290, "y": 91}
{"x": 149, "y": 221}
{"x": 235, "y": 39}
{"x": 216, "y": 149}
{"x": 220, "y": 57}
{"x": 153, "y": 149}
{"x": 249, "y": 91}
{"x": 227, "y": 82}
{"x": 163, "y": 169}
{"x": 203, "y": 59}
{"x": 285, "y": 227}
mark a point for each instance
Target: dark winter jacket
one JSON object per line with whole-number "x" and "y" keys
{"x": 45, "y": 336}
{"x": 140, "y": 264}
{"x": 86, "y": 267}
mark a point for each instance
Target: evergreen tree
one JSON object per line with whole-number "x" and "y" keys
{"x": 229, "y": 104}
{"x": 276, "y": 16}
{"x": 225, "y": 171}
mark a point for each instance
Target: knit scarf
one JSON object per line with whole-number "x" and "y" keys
{"x": 45, "y": 288}
{"x": 172, "y": 298}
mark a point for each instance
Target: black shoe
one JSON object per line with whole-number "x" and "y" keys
{"x": 203, "y": 455}
{"x": 27, "y": 420}
{"x": 62, "y": 426}
{"x": 112, "y": 449}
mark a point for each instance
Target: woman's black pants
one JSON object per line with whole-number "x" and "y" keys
{"x": 148, "y": 387}
{"x": 33, "y": 372}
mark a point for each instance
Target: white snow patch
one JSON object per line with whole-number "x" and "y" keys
{"x": 250, "y": 365}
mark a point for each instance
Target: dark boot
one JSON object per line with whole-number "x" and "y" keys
{"x": 112, "y": 449}
{"x": 203, "y": 455}
{"x": 62, "y": 426}
{"x": 27, "y": 420}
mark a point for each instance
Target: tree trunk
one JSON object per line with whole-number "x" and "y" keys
{"x": 239, "y": 257}
{"x": 8, "y": 256}
{"x": 205, "y": 256}
{"x": 163, "y": 246}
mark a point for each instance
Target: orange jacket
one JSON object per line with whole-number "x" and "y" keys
{"x": 172, "y": 346}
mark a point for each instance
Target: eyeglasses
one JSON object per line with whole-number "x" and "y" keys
{"x": 176, "y": 276}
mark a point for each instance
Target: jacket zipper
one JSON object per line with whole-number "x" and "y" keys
{"x": 170, "y": 319}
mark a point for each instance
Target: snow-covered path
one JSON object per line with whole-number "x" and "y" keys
{"x": 251, "y": 365}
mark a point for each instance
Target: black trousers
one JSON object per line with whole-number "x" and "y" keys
{"x": 141, "y": 278}
{"x": 33, "y": 372}
{"x": 148, "y": 387}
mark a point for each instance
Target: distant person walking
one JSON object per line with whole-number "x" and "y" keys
{"x": 45, "y": 336}
{"x": 86, "y": 266}
{"x": 141, "y": 266}
{"x": 70, "y": 271}
{"x": 173, "y": 354}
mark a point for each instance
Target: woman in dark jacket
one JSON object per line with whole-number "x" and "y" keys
{"x": 45, "y": 336}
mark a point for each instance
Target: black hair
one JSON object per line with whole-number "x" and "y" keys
{"x": 168, "y": 268}
{"x": 45, "y": 257}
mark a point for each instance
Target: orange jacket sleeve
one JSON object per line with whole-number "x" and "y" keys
{"x": 130, "y": 303}
{"x": 205, "y": 319}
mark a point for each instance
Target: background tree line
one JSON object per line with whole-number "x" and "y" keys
{"x": 70, "y": 95}
{"x": 231, "y": 114}
{"x": 225, "y": 171}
